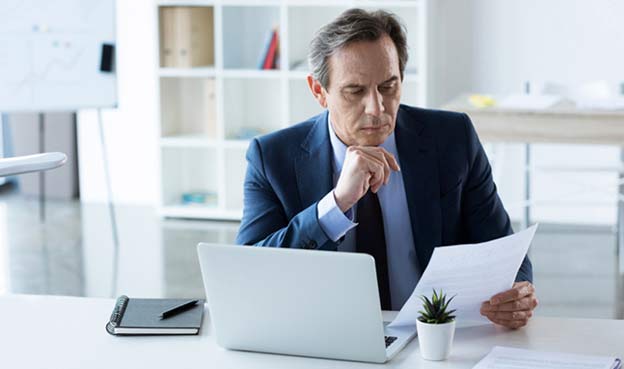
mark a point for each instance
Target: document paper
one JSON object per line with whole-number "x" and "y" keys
{"x": 513, "y": 358}
{"x": 472, "y": 273}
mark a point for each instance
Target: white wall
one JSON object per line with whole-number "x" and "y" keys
{"x": 131, "y": 130}
{"x": 572, "y": 41}
{"x": 494, "y": 46}
{"x": 497, "y": 45}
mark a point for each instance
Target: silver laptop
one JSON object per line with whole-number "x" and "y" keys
{"x": 297, "y": 302}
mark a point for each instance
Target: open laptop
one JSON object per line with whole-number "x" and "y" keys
{"x": 297, "y": 302}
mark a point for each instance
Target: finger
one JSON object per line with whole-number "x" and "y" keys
{"x": 485, "y": 308}
{"x": 392, "y": 162}
{"x": 519, "y": 291}
{"x": 367, "y": 158}
{"x": 512, "y": 324}
{"x": 373, "y": 181}
{"x": 390, "y": 159}
{"x": 380, "y": 169}
{"x": 386, "y": 169}
{"x": 511, "y": 315}
{"x": 366, "y": 184}
{"x": 378, "y": 157}
{"x": 377, "y": 180}
{"x": 525, "y": 303}
{"x": 367, "y": 163}
{"x": 384, "y": 155}
{"x": 373, "y": 152}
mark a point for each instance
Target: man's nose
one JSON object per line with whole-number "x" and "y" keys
{"x": 374, "y": 104}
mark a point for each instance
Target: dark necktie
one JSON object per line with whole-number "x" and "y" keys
{"x": 371, "y": 239}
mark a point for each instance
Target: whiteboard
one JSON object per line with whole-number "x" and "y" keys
{"x": 51, "y": 52}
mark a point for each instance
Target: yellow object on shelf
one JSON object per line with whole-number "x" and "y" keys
{"x": 481, "y": 101}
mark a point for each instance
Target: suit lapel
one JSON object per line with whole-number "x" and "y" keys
{"x": 313, "y": 166}
{"x": 418, "y": 161}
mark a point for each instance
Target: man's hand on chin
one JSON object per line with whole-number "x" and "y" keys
{"x": 512, "y": 308}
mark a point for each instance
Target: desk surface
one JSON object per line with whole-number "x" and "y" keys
{"x": 560, "y": 124}
{"x": 68, "y": 332}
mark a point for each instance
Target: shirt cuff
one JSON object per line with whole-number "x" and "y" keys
{"x": 334, "y": 222}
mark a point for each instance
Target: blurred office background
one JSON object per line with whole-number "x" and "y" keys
{"x": 175, "y": 143}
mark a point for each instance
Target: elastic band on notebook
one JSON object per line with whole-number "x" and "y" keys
{"x": 118, "y": 311}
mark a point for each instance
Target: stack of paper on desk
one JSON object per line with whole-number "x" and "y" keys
{"x": 471, "y": 273}
{"x": 513, "y": 358}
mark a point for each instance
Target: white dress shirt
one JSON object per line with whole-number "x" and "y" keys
{"x": 403, "y": 268}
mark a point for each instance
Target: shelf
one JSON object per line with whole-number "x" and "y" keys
{"x": 322, "y": 3}
{"x": 199, "y": 212}
{"x": 210, "y": 72}
{"x": 186, "y": 2}
{"x": 387, "y": 4}
{"x": 177, "y": 225}
{"x": 199, "y": 141}
{"x": 188, "y": 141}
{"x": 251, "y": 73}
{"x": 252, "y": 3}
{"x": 354, "y": 3}
{"x": 200, "y": 72}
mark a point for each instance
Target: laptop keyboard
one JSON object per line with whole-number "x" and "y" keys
{"x": 389, "y": 340}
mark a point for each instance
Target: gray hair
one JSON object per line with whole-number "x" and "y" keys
{"x": 351, "y": 26}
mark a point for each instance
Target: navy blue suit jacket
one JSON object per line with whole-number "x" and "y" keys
{"x": 451, "y": 196}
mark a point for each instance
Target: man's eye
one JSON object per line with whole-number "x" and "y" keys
{"x": 355, "y": 91}
{"x": 386, "y": 88}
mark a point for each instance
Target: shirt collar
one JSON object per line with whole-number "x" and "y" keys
{"x": 340, "y": 149}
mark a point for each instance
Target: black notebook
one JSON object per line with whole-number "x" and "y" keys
{"x": 143, "y": 316}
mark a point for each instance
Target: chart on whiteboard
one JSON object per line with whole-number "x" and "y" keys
{"x": 57, "y": 55}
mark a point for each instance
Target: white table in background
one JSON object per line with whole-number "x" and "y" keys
{"x": 68, "y": 332}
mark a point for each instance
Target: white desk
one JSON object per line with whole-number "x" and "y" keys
{"x": 68, "y": 332}
{"x": 563, "y": 123}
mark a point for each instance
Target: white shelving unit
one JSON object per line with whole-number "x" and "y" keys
{"x": 207, "y": 112}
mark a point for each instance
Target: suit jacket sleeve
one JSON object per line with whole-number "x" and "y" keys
{"x": 483, "y": 212}
{"x": 264, "y": 220}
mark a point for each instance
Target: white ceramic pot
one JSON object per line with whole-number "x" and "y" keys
{"x": 435, "y": 340}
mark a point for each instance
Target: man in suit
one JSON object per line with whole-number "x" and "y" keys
{"x": 371, "y": 175}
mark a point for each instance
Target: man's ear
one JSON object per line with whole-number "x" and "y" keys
{"x": 317, "y": 90}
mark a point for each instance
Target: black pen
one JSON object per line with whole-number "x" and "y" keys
{"x": 178, "y": 309}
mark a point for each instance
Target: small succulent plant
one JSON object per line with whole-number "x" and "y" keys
{"x": 435, "y": 309}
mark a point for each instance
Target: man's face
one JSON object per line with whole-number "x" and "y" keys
{"x": 364, "y": 91}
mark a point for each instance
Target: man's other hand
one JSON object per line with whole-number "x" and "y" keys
{"x": 512, "y": 308}
{"x": 364, "y": 167}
